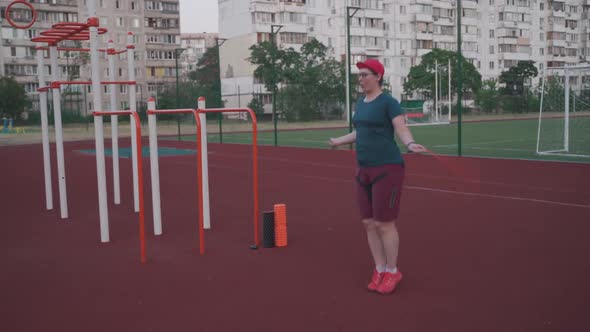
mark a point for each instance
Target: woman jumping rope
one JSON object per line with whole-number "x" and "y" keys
{"x": 380, "y": 174}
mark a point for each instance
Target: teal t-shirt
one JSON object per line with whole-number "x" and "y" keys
{"x": 375, "y": 143}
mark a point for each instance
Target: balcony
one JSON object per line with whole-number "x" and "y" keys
{"x": 515, "y": 9}
{"x": 556, "y": 42}
{"x": 294, "y": 7}
{"x": 523, "y": 41}
{"x": 424, "y": 35}
{"x": 446, "y": 21}
{"x": 444, "y": 4}
{"x": 374, "y": 32}
{"x": 373, "y": 13}
{"x": 262, "y": 6}
{"x": 420, "y": 17}
{"x": 507, "y": 40}
{"x": 469, "y": 4}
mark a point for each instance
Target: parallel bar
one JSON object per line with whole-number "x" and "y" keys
{"x": 154, "y": 167}
{"x": 540, "y": 113}
{"x": 137, "y": 142}
{"x": 59, "y": 144}
{"x": 566, "y": 124}
{"x": 114, "y": 129}
{"x": 254, "y": 159}
{"x": 98, "y": 126}
{"x": 178, "y": 111}
{"x": 133, "y": 108}
{"x": 45, "y": 132}
{"x": 205, "y": 165}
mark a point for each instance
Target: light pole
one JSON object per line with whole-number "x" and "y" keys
{"x": 348, "y": 64}
{"x": 177, "y": 52}
{"x": 274, "y": 87}
{"x": 459, "y": 78}
{"x": 218, "y": 43}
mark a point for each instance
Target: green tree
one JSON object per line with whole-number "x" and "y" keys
{"x": 257, "y": 107}
{"x": 514, "y": 79}
{"x": 422, "y": 77}
{"x": 487, "y": 97}
{"x": 206, "y": 77}
{"x": 311, "y": 83}
{"x": 14, "y": 99}
{"x": 274, "y": 65}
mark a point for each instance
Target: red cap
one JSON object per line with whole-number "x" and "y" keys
{"x": 372, "y": 64}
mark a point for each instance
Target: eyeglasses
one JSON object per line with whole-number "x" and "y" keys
{"x": 365, "y": 75}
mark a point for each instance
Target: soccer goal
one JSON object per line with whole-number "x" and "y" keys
{"x": 564, "y": 112}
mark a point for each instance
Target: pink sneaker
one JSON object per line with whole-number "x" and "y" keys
{"x": 375, "y": 281}
{"x": 389, "y": 282}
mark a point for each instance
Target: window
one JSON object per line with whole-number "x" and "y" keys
{"x": 492, "y": 32}
{"x": 402, "y": 9}
{"x": 491, "y": 64}
{"x": 492, "y": 49}
{"x": 542, "y": 51}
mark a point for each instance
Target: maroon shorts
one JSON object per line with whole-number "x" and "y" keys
{"x": 379, "y": 190}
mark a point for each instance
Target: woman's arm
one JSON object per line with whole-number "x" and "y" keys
{"x": 342, "y": 140}
{"x": 405, "y": 135}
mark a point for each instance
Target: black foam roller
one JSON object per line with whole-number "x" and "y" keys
{"x": 268, "y": 229}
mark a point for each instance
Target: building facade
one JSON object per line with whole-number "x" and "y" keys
{"x": 155, "y": 25}
{"x": 496, "y": 34}
{"x": 195, "y": 45}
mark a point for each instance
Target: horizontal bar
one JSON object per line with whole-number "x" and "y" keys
{"x": 55, "y": 85}
{"x": 178, "y": 111}
{"x": 572, "y": 67}
{"x": 103, "y": 113}
{"x": 44, "y": 89}
{"x": 119, "y": 82}
{"x": 224, "y": 110}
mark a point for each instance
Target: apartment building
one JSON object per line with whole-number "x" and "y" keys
{"x": 496, "y": 34}
{"x": 194, "y": 46}
{"x": 155, "y": 25}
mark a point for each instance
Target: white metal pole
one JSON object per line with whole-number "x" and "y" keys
{"x": 347, "y": 69}
{"x": 154, "y": 167}
{"x": 45, "y": 131}
{"x": 566, "y": 132}
{"x": 59, "y": 143}
{"x": 205, "y": 165}
{"x": 540, "y": 112}
{"x": 98, "y": 123}
{"x": 133, "y": 108}
{"x": 450, "y": 92}
{"x": 436, "y": 90}
{"x": 114, "y": 124}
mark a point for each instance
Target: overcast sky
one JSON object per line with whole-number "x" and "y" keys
{"x": 198, "y": 16}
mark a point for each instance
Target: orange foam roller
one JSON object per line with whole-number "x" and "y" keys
{"x": 280, "y": 225}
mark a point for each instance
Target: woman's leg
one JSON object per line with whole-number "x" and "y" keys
{"x": 375, "y": 243}
{"x": 389, "y": 237}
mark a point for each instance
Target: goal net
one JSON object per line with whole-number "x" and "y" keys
{"x": 564, "y": 112}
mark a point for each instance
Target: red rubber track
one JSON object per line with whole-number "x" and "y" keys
{"x": 504, "y": 247}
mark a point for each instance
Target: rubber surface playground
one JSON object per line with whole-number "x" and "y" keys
{"x": 500, "y": 246}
